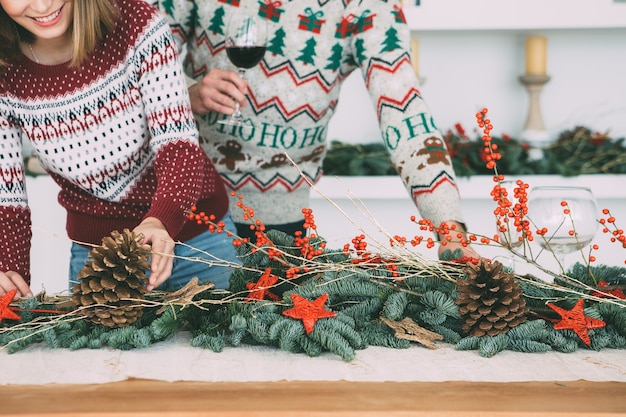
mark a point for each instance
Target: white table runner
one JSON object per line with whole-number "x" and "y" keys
{"x": 176, "y": 360}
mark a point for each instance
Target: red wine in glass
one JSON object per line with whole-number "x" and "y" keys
{"x": 245, "y": 46}
{"x": 245, "y": 56}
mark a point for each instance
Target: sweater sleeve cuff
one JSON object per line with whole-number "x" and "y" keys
{"x": 172, "y": 216}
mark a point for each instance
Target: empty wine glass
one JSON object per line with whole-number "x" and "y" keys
{"x": 246, "y": 38}
{"x": 569, "y": 215}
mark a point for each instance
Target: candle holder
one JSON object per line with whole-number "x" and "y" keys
{"x": 534, "y": 131}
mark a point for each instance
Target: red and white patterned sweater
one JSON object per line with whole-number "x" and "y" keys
{"x": 117, "y": 134}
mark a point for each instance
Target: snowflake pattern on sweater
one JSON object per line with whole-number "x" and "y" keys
{"x": 116, "y": 133}
{"x": 313, "y": 45}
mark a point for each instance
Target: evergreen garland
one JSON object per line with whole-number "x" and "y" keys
{"x": 358, "y": 292}
{"x": 575, "y": 152}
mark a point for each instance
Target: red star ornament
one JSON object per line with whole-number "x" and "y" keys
{"x": 261, "y": 288}
{"x": 576, "y": 320}
{"x": 309, "y": 312}
{"x": 604, "y": 294}
{"x": 5, "y": 311}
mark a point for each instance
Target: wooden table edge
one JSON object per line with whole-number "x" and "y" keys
{"x": 138, "y": 398}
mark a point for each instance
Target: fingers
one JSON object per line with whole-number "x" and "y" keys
{"x": 11, "y": 280}
{"x": 218, "y": 91}
{"x": 453, "y": 240}
{"x": 466, "y": 251}
{"x": 469, "y": 251}
{"x": 161, "y": 264}
{"x": 233, "y": 81}
{"x": 162, "y": 259}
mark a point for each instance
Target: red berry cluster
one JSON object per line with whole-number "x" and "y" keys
{"x": 207, "y": 219}
{"x": 444, "y": 230}
{"x": 359, "y": 244}
{"x": 307, "y": 250}
{"x": 365, "y": 258}
{"x": 510, "y": 216}
{"x": 609, "y": 226}
{"x": 507, "y": 212}
{"x": 490, "y": 150}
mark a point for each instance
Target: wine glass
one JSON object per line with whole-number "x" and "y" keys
{"x": 568, "y": 213}
{"x": 246, "y": 38}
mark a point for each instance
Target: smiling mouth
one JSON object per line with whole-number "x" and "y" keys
{"x": 48, "y": 18}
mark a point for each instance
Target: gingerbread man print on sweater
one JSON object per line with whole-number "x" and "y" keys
{"x": 281, "y": 159}
{"x": 276, "y": 161}
{"x": 232, "y": 153}
{"x": 436, "y": 151}
{"x": 315, "y": 156}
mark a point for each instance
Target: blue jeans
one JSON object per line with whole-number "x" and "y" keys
{"x": 188, "y": 261}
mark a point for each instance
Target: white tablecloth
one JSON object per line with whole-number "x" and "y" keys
{"x": 175, "y": 360}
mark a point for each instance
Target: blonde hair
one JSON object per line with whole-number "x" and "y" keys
{"x": 91, "y": 21}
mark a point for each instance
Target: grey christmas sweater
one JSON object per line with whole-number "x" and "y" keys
{"x": 313, "y": 45}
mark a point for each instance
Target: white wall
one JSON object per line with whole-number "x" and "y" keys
{"x": 470, "y": 69}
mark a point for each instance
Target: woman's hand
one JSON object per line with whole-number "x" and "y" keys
{"x": 162, "y": 258}
{"x": 11, "y": 280}
{"x": 218, "y": 91}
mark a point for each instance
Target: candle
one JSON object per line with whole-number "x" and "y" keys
{"x": 414, "y": 54}
{"x": 536, "y": 53}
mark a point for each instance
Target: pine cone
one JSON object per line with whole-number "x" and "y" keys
{"x": 115, "y": 274}
{"x": 490, "y": 301}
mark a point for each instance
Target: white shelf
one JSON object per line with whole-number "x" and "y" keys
{"x": 435, "y": 15}
{"x": 477, "y": 187}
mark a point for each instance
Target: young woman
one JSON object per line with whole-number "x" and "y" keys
{"x": 97, "y": 89}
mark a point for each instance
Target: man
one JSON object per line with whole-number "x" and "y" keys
{"x": 290, "y": 97}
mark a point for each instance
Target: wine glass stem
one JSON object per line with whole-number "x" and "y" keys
{"x": 561, "y": 258}
{"x": 237, "y": 113}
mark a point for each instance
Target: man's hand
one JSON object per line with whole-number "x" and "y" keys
{"x": 218, "y": 91}
{"x": 11, "y": 280}
{"x": 155, "y": 234}
{"x": 454, "y": 240}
